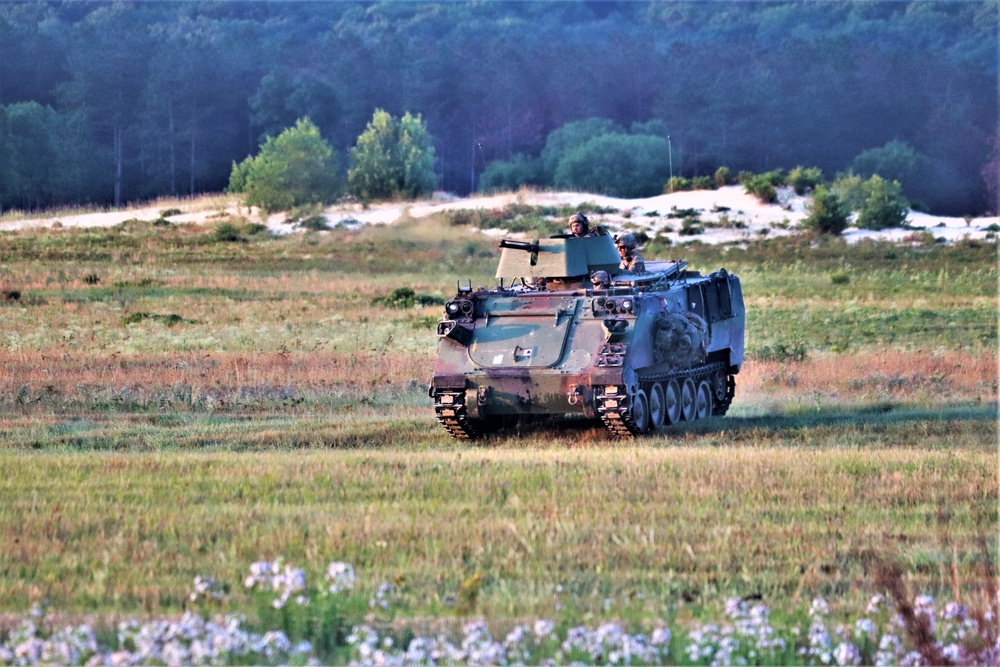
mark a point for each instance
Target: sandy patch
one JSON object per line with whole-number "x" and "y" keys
{"x": 727, "y": 215}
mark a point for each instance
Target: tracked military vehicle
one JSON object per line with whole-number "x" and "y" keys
{"x": 567, "y": 332}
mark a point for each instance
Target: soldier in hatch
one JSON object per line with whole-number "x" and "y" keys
{"x": 579, "y": 226}
{"x": 631, "y": 259}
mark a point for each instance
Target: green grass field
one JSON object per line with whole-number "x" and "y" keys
{"x": 174, "y": 405}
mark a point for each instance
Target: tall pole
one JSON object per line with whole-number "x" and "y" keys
{"x": 670, "y": 158}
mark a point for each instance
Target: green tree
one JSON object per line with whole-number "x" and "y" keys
{"x": 41, "y": 156}
{"x": 896, "y": 161}
{"x": 883, "y": 206}
{"x": 393, "y": 159}
{"x": 850, "y": 189}
{"x": 616, "y": 164}
{"x": 293, "y": 169}
{"x": 511, "y": 174}
{"x": 827, "y": 214}
{"x": 570, "y": 137}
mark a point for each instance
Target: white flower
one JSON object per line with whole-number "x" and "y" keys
{"x": 847, "y": 654}
{"x": 954, "y": 611}
{"x": 819, "y": 608}
{"x": 864, "y": 627}
{"x": 543, "y": 628}
{"x": 660, "y": 637}
{"x": 877, "y": 602}
{"x": 736, "y": 608}
{"x": 340, "y": 577}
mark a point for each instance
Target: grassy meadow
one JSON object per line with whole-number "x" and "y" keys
{"x": 182, "y": 400}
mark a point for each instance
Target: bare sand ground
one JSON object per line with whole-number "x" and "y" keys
{"x": 729, "y": 213}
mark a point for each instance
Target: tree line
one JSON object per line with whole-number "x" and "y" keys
{"x": 113, "y": 102}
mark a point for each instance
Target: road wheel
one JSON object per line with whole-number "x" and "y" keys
{"x": 657, "y": 406}
{"x": 720, "y": 386}
{"x": 721, "y": 404}
{"x": 688, "y": 399}
{"x": 703, "y": 401}
{"x": 640, "y": 411}
{"x": 672, "y": 402}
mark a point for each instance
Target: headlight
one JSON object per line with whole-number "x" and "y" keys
{"x": 459, "y": 306}
{"x": 627, "y": 305}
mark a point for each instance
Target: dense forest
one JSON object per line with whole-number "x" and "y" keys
{"x": 113, "y": 102}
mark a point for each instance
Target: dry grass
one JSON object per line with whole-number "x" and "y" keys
{"x": 647, "y": 527}
{"x": 60, "y": 381}
{"x": 918, "y": 377}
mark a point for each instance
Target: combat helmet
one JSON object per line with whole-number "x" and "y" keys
{"x": 626, "y": 240}
{"x": 580, "y": 218}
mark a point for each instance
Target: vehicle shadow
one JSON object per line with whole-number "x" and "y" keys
{"x": 790, "y": 427}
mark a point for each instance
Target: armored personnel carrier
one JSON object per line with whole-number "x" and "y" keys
{"x": 566, "y": 332}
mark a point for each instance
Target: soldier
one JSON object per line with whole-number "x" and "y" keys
{"x": 580, "y": 226}
{"x": 600, "y": 279}
{"x": 631, "y": 259}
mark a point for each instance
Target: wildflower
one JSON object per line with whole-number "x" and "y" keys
{"x": 382, "y": 593}
{"x": 954, "y": 612}
{"x": 847, "y": 654}
{"x": 543, "y": 628}
{"x": 206, "y": 587}
{"x": 876, "y": 603}
{"x": 923, "y": 605}
{"x": 261, "y": 573}
{"x": 340, "y": 577}
{"x": 660, "y": 637}
{"x": 820, "y": 644}
{"x": 953, "y": 652}
{"x": 864, "y": 627}
{"x": 736, "y": 608}
{"x": 889, "y": 650}
{"x": 819, "y": 608}
{"x": 282, "y": 579}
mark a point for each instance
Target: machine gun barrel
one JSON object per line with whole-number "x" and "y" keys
{"x": 519, "y": 245}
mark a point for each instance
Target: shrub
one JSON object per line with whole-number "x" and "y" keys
{"x": 393, "y": 159}
{"x": 683, "y": 212}
{"x": 795, "y": 351}
{"x": 254, "y": 228}
{"x": 691, "y": 226}
{"x": 294, "y": 169}
{"x": 226, "y": 232}
{"x": 620, "y": 165}
{"x": 314, "y": 223}
{"x": 827, "y": 214}
{"x": 677, "y": 184}
{"x": 850, "y": 190}
{"x": 405, "y": 297}
{"x": 883, "y": 206}
{"x": 762, "y": 190}
{"x": 722, "y": 176}
{"x": 512, "y": 174}
{"x": 169, "y": 319}
{"x": 802, "y": 179}
{"x": 702, "y": 183}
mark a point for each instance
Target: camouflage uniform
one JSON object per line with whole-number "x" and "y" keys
{"x": 631, "y": 259}
{"x": 633, "y": 264}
